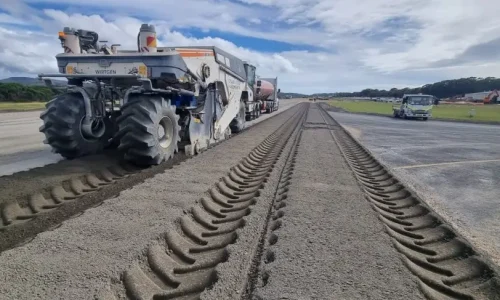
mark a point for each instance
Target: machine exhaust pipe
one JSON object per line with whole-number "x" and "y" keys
{"x": 70, "y": 41}
{"x": 146, "y": 39}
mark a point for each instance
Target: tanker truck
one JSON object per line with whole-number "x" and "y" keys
{"x": 267, "y": 92}
{"x": 147, "y": 102}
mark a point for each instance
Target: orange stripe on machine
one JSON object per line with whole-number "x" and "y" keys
{"x": 194, "y": 53}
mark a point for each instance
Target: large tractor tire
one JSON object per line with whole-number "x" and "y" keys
{"x": 62, "y": 121}
{"x": 238, "y": 123}
{"x": 148, "y": 130}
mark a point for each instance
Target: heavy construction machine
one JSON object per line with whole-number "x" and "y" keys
{"x": 147, "y": 102}
{"x": 492, "y": 98}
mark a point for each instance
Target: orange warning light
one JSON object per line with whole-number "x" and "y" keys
{"x": 61, "y": 34}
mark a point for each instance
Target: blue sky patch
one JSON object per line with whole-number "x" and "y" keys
{"x": 252, "y": 43}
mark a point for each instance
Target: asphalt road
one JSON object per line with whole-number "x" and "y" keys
{"x": 21, "y": 144}
{"x": 454, "y": 167}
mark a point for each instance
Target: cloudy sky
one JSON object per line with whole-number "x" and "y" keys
{"x": 311, "y": 45}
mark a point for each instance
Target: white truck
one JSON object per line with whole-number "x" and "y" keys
{"x": 414, "y": 106}
{"x": 147, "y": 102}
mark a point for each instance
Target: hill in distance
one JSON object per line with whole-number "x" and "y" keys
{"x": 31, "y": 81}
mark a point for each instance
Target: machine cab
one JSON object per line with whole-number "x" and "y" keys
{"x": 250, "y": 72}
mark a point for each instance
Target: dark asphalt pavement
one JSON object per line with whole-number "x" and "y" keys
{"x": 454, "y": 167}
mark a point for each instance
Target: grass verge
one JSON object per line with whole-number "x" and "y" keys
{"x": 21, "y": 106}
{"x": 483, "y": 113}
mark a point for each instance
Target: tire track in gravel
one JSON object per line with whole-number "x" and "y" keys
{"x": 446, "y": 265}
{"x": 77, "y": 185}
{"x": 184, "y": 264}
{"x": 265, "y": 253}
{"x": 327, "y": 243}
{"x": 89, "y": 253}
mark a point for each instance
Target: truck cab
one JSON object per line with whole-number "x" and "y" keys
{"x": 250, "y": 72}
{"x": 414, "y": 106}
{"x": 252, "y": 107}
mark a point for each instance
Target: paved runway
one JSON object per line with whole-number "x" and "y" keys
{"x": 21, "y": 144}
{"x": 454, "y": 167}
{"x": 22, "y": 148}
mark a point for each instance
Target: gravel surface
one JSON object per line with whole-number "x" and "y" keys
{"x": 233, "y": 275}
{"x": 42, "y": 179}
{"x": 331, "y": 244}
{"x": 22, "y": 147}
{"x": 85, "y": 254}
{"x": 453, "y": 167}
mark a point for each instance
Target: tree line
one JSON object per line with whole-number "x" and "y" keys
{"x": 15, "y": 92}
{"x": 442, "y": 89}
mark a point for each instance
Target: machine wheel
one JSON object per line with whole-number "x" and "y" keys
{"x": 148, "y": 130}
{"x": 425, "y": 119}
{"x": 238, "y": 123}
{"x": 62, "y": 121}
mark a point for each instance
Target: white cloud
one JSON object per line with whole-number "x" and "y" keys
{"x": 26, "y": 52}
{"x": 38, "y": 52}
{"x": 8, "y": 19}
{"x": 365, "y": 43}
{"x": 255, "y": 20}
{"x": 267, "y": 64}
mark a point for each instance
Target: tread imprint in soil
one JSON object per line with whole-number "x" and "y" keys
{"x": 446, "y": 265}
{"x": 267, "y": 255}
{"x": 41, "y": 202}
{"x": 13, "y": 213}
{"x": 182, "y": 265}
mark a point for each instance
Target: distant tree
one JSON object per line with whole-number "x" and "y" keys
{"x": 15, "y": 92}
{"x": 442, "y": 89}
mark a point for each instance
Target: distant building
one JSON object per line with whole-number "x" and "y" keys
{"x": 476, "y": 96}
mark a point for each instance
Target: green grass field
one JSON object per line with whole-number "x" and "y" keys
{"x": 484, "y": 113}
{"x": 21, "y": 106}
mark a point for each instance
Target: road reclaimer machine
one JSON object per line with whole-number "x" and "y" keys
{"x": 149, "y": 102}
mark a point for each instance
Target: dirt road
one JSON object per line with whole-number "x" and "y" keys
{"x": 289, "y": 209}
